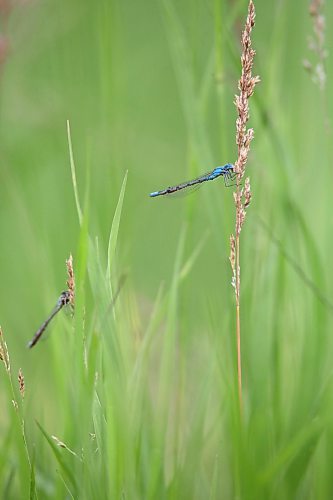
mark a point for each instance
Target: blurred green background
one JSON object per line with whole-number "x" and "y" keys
{"x": 148, "y": 88}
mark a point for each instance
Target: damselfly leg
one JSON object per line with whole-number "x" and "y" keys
{"x": 228, "y": 178}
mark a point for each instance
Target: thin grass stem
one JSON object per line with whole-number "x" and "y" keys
{"x": 242, "y": 195}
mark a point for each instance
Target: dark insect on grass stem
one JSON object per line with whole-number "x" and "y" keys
{"x": 63, "y": 300}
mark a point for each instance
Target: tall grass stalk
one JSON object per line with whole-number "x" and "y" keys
{"x": 317, "y": 69}
{"x": 26, "y": 461}
{"x": 316, "y": 44}
{"x": 242, "y": 195}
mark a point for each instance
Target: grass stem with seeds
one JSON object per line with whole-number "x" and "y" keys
{"x": 242, "y": 195}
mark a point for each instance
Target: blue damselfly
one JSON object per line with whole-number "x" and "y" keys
{"x": 227, "y": 172}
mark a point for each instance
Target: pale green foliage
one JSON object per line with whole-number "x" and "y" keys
{"x": 140, "y": 385}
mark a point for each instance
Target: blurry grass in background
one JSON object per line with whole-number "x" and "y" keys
{"x": 145, "y": 395}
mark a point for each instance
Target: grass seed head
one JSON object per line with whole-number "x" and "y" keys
{"x": 21, "y": 383}
{"x": 246, "y": 86}
{"x": 232, "y": 252}
{"x": 70, "y": 280}
{"x": 316, "y": 44}
{"x": 247, "y": 193}
{"x": 4, "y": 354}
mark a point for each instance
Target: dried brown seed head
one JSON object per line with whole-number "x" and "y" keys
{"x": 70, "y": 280}
{"x": 21, "y": 383}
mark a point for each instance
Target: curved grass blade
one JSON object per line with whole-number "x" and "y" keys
{"x": 187, "y": 266}
{"x": 64, "y": 467}
{"x": 71, "y": 158}
{"x": 115, "y": 228}
{"x": 7, "y": 489}
{"x": 317, "y": 291}
{"x": 282, "y": 460}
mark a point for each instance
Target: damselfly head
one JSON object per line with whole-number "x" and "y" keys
{"x": 64, "y": 298}
{"x": 225, "y": 169}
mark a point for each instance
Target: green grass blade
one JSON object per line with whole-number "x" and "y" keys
{"x": 115, "y": 229}
{"x": 8, "y": 483}
{"x": 188, "y": 265}
{"x": 32, "y": 493}
{"x": 64, "y": 467}
{"x": 73, "y": 171}
{"x": 293, "y": 449}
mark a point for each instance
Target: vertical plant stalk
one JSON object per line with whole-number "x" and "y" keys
{"x": 17, "y": 404}
{"x": 316, "y": 45}
{"x": 242, "y": 195}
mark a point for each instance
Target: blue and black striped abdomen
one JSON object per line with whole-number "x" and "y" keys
{"x": 227, "y": 171}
